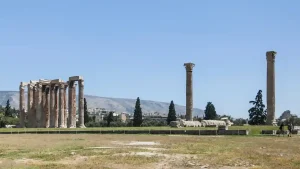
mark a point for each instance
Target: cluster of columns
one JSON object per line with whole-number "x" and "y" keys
{"x": 47, "y": 103}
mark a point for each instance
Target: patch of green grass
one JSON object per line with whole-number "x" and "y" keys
{"x": 253, "y": 130}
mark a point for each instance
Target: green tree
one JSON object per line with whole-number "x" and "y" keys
{"x": 257, "y": 114}
{"x": 138, "y": 114}
{"x": 172, "y": 113}
{"x": 110, "y": 118}
{"x": 86, "y": 113}
{"x": 210, "y": 112}
{"x": 8, "y": 111}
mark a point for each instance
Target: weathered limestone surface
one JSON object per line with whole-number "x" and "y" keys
{"x": 212, "y": 123}
{"x": 184, "y": 123}
{"x": 81, "y": 103}
{"x": 52, "y": 102}
{"x": 22, "y": 106}
{"x": 61, "y": 105}
{"x": 47, "y": 110}
{"x": 43, "y": 116}
{"x": 73, "y": 101}
{"x": 38, "y": 104}
{"x": 30, "y": 104}
{"x": 189, "y": 90}
{"x": 65, "y": 106}
{"x": 56, "y": 107}
{"x": 270, "y": 87}
{"x": 47, "y": 103}
{"x": 33, "y": 123}
{"x": 72, "y": 105}
{"x": 75, "y": 78}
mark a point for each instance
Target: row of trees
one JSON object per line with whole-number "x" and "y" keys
{"x": 257, "y": 115}
{"x": 8, "y": 115}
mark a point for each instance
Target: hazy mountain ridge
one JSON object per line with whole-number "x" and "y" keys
{"x": 117, "y": 104}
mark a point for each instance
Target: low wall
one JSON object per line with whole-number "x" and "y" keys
{"x": 158, "y": 132}
{"x": 271, "y": 132}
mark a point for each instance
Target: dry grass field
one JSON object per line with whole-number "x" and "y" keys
{"x": 147, "y": 151}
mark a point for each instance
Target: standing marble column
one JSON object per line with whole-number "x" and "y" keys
{"x": 72, "y": 110}
{"x": 22, "y": 105}
{"x": 43, "y": 116}
{"x": 47, "y": 110}
{"x": 38, "y": 105}
{"x": 30, "y": 105}
{"x": 270, "y": 87}
{"x": 52, "y": 104}
{"x": 81, "y": 104}
{"x": 61, "y": 105}
{"x": 56, "y": 104}
{"x": 189, "y": 90}
{"x": 74, "y": 106}
{"x": 65, "y": 106}
{"x": 33, "y": 123}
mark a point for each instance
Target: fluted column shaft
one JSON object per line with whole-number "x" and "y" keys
{"x": 65, "y": 107}
{"x": 30, "y": 105}
{"x": 81, "y": 104}
{"x": 43, "y": 116}
{"x": 47, "y": 110}
{"x": 72, "y": 110}
{"x": 22, "y": 106}
{"x": 33, "y": 122}
{"x": 189, "y": 91}
{"x": 56, "y": 105}
{"x": 38, "y": 105}
{"x": 61, "y": 105}
{"x": 52, "y": 102}
{"x": 270, "y": 87}
{"x": 74, "y": 106}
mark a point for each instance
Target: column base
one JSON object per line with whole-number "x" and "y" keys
{"x": 72, "y": 127}
{"x": 82, "y": 126}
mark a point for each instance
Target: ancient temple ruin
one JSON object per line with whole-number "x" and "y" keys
{"x": 47, "y": 103}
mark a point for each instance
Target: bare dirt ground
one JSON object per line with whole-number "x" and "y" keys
{"x": 147, "y": 151}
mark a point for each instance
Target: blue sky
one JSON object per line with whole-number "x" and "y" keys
{"x": 132, "y": 48}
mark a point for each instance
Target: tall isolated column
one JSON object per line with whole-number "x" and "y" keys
{"x": 81, "y": 103}
{"x": 270, "y": 87}
{"x": 22, "y": 105}
{"x": 52, "y": 104}
{"x": 47, "y": 109}
{"x": 189, "y": 90}
{"x": 38, "y": 106}
{"x": 61, "y": 105}
{"x": 30, "y": 105}
{"x": 65, "y": 106}
{"x": 56, "y": 105}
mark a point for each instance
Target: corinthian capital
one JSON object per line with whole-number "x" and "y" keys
{"x": 271, "y": 56}
{"x": 81, "y": 83}
{"x": 189, "y": 66}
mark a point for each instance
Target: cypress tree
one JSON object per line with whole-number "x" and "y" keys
{"x": 172, "y": 113}
{"x": 210, "y": 112}
{"x": 110, "y": 118}
{"x": 86, "y": 113}
{"x": 138, "y": 115}
{"x": 8, "y": 112}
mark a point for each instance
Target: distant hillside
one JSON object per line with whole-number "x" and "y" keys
{"x": 117, "y": 104}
